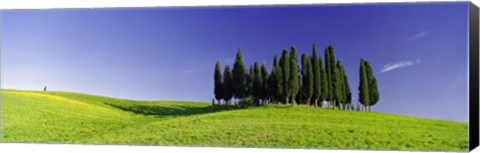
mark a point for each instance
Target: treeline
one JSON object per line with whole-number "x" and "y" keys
{"x": 311, "y": 82}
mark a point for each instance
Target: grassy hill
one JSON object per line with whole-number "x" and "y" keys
{"x": 64, "y": 117}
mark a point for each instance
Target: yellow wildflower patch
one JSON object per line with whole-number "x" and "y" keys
{"x": 60, "y": 99}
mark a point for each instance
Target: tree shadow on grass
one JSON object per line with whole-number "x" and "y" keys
{"x": 163, "y": 111}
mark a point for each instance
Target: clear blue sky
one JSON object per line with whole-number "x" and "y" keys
{"x": 418, "y": 51}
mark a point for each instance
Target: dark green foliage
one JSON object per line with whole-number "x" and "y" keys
{"x": 239, "y": 77}
{"x": 250, "y": 78}
{"x": 324, "y": 82}
{"x": 257, "y": 90}
{"x": 341, "y": 95}
{"x": 317, "y": 82}
{"x": 218, "y": 85}
{"x": 227, "y": 84}
{"x": 285, "y": 67}
{"x": 372, "y": 84}
{"x": 294, "y": 83}
{"x": 276, "y": 82}
{"x": 307, "y": 79}
{"x": 374, "y": 94}
{"x": 363, "y": 94}
{"x": 330, "y": 67}
{"x": 312, "y": 83}
{"x": 347, "y": 90}
{"x": 265, "y": 77}
{"x": 247, "y": 102}
{"x": 346, "y": 96}
{"x": 272, "y": 81}
{"x": 328, "y": 74}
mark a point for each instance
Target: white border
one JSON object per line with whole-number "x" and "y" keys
{"x": 75, "y": 148}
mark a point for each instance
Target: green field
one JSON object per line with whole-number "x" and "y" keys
{"x": 64, "y": 117}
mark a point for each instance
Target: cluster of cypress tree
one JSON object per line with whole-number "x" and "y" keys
{"x": 368, "y": 89}
{"x": 314, "y": 83}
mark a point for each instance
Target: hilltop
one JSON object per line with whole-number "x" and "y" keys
{"x": 66, "y": 117}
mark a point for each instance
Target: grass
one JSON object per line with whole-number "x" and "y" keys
{"x": 64, "y": 117}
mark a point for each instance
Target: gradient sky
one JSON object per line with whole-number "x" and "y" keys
{"x": 418, "y": 50}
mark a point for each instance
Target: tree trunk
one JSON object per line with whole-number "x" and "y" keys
{"x": 334, "y": 104}
{"x": 286, "y": 100}
{"x": 316, "y": 102}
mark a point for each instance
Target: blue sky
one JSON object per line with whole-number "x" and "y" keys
{"x": 418, "y": 50}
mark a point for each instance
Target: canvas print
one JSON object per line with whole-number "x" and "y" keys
{"x": 349, "y": 77}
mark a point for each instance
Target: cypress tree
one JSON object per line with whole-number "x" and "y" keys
{"x": 294, "y": 82}
{"x": 239, "y": 77}
{"x": 227, "y": 84}
{"x": 277, "y": 91}
{"x": 347, "y": 90}
{"x": 218, "y": 87}
{"x": 341, "y": 91}
{"x": 372, "y": 85}
{"x": 272, "y": 81}
{"x": 323, "y": 82}
{"x": 307, "y": 79}
{"x": 328, "y": 97}
{"x": 285, "y": 67}
{"x": 330, "y": 67}
{"x": 265, "y": 77}
{"x": 334, "y": 78}
{"x": 338, "y": 90}
{"x": 363, "y": 94}
{"x": 257, "y": 83}
{"x": 250, "y": 77}
{"x": 317, "y": 84}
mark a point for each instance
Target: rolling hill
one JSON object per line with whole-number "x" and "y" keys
{"x": 65, "y": 117}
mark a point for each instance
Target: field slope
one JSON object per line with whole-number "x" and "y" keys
{"x": 64, "y": 117}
